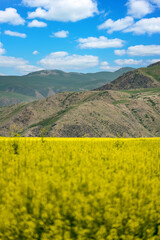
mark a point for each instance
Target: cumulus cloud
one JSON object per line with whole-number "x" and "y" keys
{"x": 35, "y": 52}
{"x": 18, "y": 64}
{"x": 139, "y": 8}
{"x": 2, "y": 50}
{"x": 146, "y": 25}
{"x": 60, "y": 34}
{"x": 140, "y": 50}
{"x": 62, "y": 10}
{"x": 15, "y": 34}
{"x": 128, "y": 62}
{"x": 151, "y": 61}
{"x": 36, "y": 23}
{"x": 144, "y": 50}
{"x": 120, "y": 52}
{"x": 118, "y": 25}
{"x": 101, "y": 42}
{"x": 105, "y": 66}
{"x": 157, "y": 2}
{"x": 64, "y": 61}
{"x": 10, "y": 15}
{"x": 127, "y": 24}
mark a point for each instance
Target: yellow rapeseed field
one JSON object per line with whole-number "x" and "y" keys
{"x": 63, "y": 189}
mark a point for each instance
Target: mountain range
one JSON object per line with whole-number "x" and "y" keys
{"x": 41, "y": 84}
{"x": 127, "y": 107}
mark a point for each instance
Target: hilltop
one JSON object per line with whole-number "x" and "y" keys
{"x": 41, "y": 84}
{"x": 140, "y": 78}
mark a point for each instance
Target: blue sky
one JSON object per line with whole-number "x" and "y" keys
{"x": 78, "y": 35}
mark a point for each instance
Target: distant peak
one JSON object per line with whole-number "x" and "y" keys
{"x": 125, "y": 69}
{"x": 45, "y": 72}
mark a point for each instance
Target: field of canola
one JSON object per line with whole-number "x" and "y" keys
{"x": 63, "y": 189}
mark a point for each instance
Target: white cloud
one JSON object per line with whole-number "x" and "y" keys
{"x": 2, "y": 50}
{"x": 146, "y": 25}
{"x": 64, "y": 61}
{"x": 151, "y": 61}
{"x": 143, "y": 63}
{"x": 62, "y": 10}
{"x": 118, "y": 25}
{"x": 36, "y": 23}
{"x": 101, "y": 42}
{"x": 128, "y": 62}
{"x": 15, "y": 34}
{"x": 61, "y": 34}
{"x": 139, "y": 8}
{"x": 144, "y": 50}
{"x": 157, "y": 2}
{"x": 105, "y": 66}
{"x": 140, "y": 50}
{"x": 104, "y": 63}
{"x": 10, "y": 15}
{"x": 35, "y": 52}
{"x": 120, "y": 52}
{"x": 18, "y": 64}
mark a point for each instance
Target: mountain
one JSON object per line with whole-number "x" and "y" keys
{"x": 37, "y": 85}
{"x": 11, "y": 98}
{"x": 140, "y": 78}
{"x": 125, "y": 113}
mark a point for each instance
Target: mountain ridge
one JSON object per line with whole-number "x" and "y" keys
{"x": 42, "y": 83}
{"x": 148, "y": 77}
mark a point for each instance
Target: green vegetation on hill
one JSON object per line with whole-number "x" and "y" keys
{"x": 153, "y": 71}
{"x": 45, "y": 83}
{"x": 10, "y": 98}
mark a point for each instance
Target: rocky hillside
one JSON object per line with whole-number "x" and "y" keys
{"x": 110, "y": 113}
{"x": 140, "y": 78}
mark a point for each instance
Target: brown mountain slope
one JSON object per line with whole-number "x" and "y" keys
{"x": 94, "y": 114}
{"x": 140, "y": 78}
